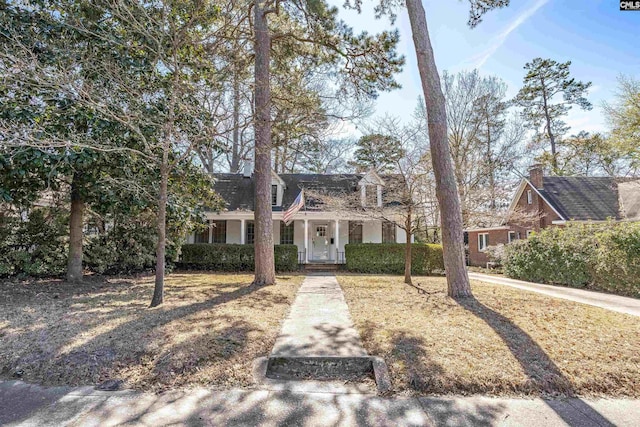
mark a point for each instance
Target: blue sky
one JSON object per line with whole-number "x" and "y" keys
{"x": 600, "y": 40}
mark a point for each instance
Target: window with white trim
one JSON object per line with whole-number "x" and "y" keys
{"x": 219, "y": 232}
{"x": 513, "y": 236}
{"x": 202, "y": 235}
{"x": 355, "y": 231}
{"x": 274, "y": 195}
{"x": 388, "y": 232}
{"x": 483, "y": 241}
{"x": 250, "y": 233}
{"x": 529, "y": 197}
{"x": 286, "y": 233}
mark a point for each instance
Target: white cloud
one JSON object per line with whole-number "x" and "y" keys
{"x": 480, "y": 59}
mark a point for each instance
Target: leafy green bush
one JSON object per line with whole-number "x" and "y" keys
{"x": 130, "y": 247}
{"x": 602, "y": 257}
{"x": 34, "y": 247}
{"x": 388, "y": 258}
{"x": 234, "y": 257}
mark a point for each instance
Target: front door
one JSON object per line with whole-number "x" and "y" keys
{"x": 320, "y": 243}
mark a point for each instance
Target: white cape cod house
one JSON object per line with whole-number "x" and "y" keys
{"x": 319, "y": 233}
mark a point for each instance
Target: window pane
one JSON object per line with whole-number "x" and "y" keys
{"x": 202, "y": 236}
{"x": 219, "y": 231}
{"x": 274, "y": 195}
{"x": 250, "y": 233}
{"x": 355, "y": 232}
{"x": 371, "y": 195}
{"x": 388, "y": 232}
{"x": 286, "y": 233}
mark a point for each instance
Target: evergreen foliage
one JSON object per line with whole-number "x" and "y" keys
{"x": 545, "y": 81}
{"x": 388, "y": 258}
{"x": 234, "y": 257}
{"x": 604, "y": 257}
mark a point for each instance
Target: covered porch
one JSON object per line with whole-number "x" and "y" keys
{"x": 320, "y": 237}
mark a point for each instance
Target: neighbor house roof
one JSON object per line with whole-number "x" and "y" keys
{"x": 582, "y": 198}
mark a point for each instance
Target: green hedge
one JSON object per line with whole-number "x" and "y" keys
{"x": 388, "y": 258}
{"x": 603, "y": 257}
{"x": 233, "y": 257}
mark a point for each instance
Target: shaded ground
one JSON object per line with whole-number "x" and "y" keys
{"x": 208, "y": 332}
{"x": 503, "y": 342}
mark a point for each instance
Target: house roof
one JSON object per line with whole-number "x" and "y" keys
{"x": 579, "y": 198}
{"x": 582, "y": 198}
{"x": 238, "y": 191}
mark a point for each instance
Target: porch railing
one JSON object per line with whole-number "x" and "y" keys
{"x": 302, "y": 256}
{"x": 340, "y": 257}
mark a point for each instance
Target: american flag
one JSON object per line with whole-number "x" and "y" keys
{"x": 297, "y": 204}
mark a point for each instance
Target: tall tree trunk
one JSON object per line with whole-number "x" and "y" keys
{"x": 407, "y": 250}
{"x": 446, "y": 191}
{"x": 492, "y": 169}
{"x": 552, "y": 138}
{"x": 158, "y": 291}
{"x": 235, "y": 150}
{"x": 74, "y": 262}
{"x": 265, "y": 273}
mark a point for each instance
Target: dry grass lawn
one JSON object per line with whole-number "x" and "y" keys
{"x": 503, "y": 342}
{"x": 208, "y": 331}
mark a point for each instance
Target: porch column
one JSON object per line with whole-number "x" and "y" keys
{"x": 337, "y": 239}
{"x": 242, "y": 221}
{"x": 306, "y": 240}
{"x": 210, "y": 231}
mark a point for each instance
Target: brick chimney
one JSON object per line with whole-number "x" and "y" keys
{"x": 536, "y": 174}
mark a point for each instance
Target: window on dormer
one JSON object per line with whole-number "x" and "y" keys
{"x": 274, "y": 195}
{"x": 371, "y": 195}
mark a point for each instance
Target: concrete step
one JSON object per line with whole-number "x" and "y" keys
{"x": 364, "y": 373}
{"x": 321, "y": 267}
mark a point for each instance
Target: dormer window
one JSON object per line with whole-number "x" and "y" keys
{"x": 371, "y": 195}
{"x": 371, "y": 190}
{"x": 274, "y": 195}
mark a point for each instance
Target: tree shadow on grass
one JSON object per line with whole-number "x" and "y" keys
{"x": 62, "y": 355}
{"x": 543, "y": 374}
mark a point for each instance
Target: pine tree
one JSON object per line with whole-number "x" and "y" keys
{"x": 545, "y": 80}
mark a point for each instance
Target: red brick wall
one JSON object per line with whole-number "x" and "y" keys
{"x": 534, "y": 216}
{"x": 496, "y": 237}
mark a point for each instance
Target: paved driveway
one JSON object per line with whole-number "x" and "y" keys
{"x": 610, "y": 302}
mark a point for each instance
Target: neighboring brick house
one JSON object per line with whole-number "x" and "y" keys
{"x": 544, "y": 201}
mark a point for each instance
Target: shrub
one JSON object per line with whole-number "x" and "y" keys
{"x": 234, "y": 257}
{"x": 602, "y": 257}
{"x": 496, "y": 254}
{"x": 36, "y": 246}
{"x": 128, "y": 248}
{"x": 388, "y": 258}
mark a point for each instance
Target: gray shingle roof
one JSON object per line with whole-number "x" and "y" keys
{"x": 583, "y": 198}
{"x": 237, "y": 190}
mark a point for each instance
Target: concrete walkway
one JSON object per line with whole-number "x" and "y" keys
{"x": 319, "y": 323}
{"x": 610, "y": 302}
{"x": 27, "y": 405}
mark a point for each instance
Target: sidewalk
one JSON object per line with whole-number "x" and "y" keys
{"x": 610, "y": 302}
{"x": 319, "y": 323}
{"x": 27, "y": 405}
